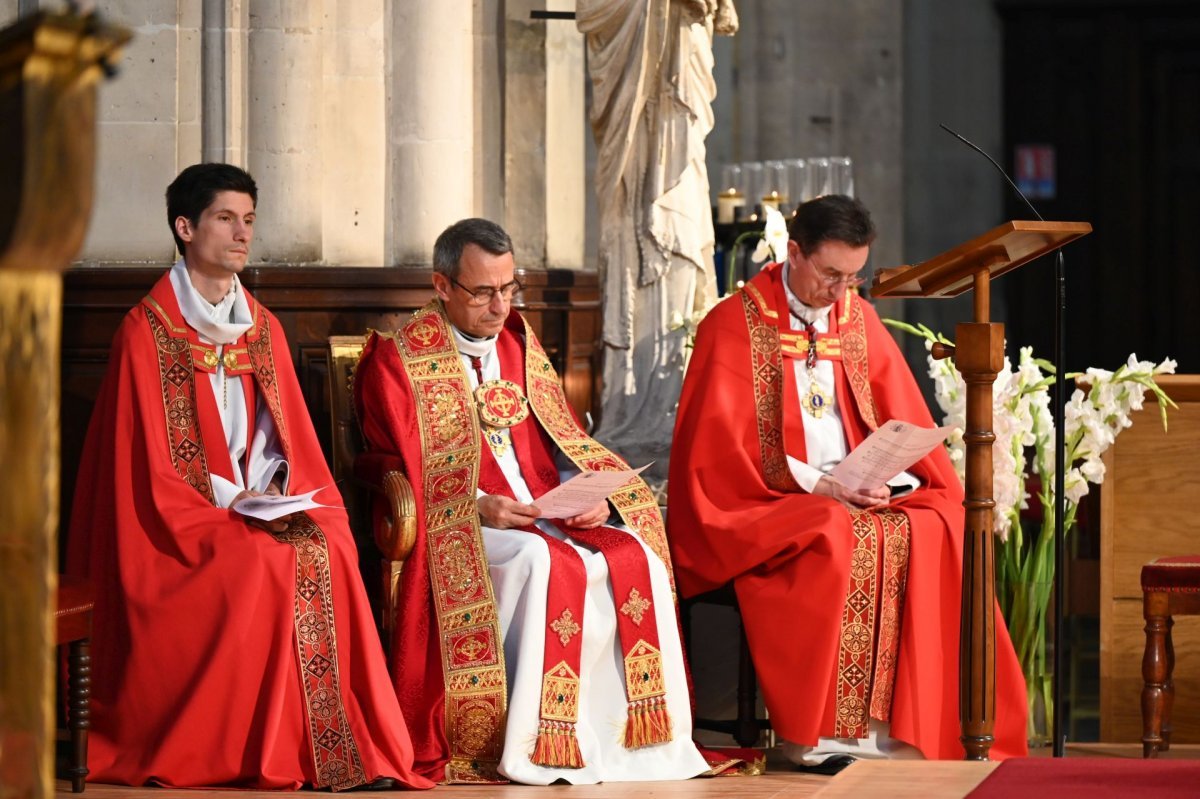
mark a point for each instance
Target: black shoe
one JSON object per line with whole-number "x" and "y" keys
{"x": 830, "y": 765}
{"x": 378, "y": 784}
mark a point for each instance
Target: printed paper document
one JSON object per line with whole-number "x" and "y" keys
{"x": 270, "y": 507}
{"x": 888, "y": 451}
{"x": 582, "y": 492}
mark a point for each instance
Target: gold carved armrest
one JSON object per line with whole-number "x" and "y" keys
{"x": 396, "y": 531}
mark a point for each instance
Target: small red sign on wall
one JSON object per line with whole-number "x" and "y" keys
{"x": 1036, "y": 177}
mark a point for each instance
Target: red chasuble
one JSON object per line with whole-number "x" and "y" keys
{"x": 849, "y": 616}
{"x": 223, "y": 655}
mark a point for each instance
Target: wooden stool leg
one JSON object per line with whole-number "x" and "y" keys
{"x": 747, "y": 693}
{"x": 1168, "y": 687}
{"x": 79, "y": 714}
{"x": 1154, "y": 671}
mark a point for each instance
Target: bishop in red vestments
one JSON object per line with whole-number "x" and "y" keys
{"x": 227, "y": 650}
{"x": 850, "y": 600}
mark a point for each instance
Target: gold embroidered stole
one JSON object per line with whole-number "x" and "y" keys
{"x": 465, "y": 605}
{"x": 179, "y": 404}
{"x": 335, "y": 754}
{"x": 634, "y": 501}
{"x": 648, "y": 722}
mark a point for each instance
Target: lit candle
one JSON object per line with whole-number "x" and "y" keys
{"x": 728, "y": 202}
{"x": 773, "y": 200}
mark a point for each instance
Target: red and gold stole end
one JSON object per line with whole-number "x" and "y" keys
{"x": 557, "y": 745}
{"x": 649, "y": 722}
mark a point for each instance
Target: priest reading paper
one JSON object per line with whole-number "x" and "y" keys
{"x": 528, "y": 648}
{"x": 806, "y": 471}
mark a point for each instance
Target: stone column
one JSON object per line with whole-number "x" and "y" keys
{"x": 431, "y": 131}
{"x": 284, "y": 134}
{"x": 223, "y": 80}
{"x": 353, "y": 140}
{"x": 525, "y": 123}
{"x": 148, "y": 129}
{"x": 566, "y": 136}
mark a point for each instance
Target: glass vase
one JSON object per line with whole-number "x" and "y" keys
{"x": 1025, "y": 605}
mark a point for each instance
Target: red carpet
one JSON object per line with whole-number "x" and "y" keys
{"x": 1090, "y": 778}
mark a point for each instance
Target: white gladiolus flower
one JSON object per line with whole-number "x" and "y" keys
{"x": 773, "y": 244}
{"x": 1024, "y": 425}
{"x": 1024, "y": 448}
{"x": 1167, "y": 367}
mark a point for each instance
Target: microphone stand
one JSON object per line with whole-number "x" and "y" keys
{"x": 1060, "y": 539}
{"x": 1060, "y": 405}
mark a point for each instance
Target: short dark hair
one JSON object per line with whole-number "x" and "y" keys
{"x": 197, "y": 186}
{"x": 483, "y": 233}
{"x": 833, "y": 217}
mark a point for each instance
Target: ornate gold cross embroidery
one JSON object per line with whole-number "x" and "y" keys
{"x": 635, "y": 606}
{"x": 565, "y": 626}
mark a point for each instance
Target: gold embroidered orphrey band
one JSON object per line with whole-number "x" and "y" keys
{"x": 869, "y": 637}
{"x": 336, "y": 758}
{"x": 468, "y": 628}
{"x": 767, "y": 375}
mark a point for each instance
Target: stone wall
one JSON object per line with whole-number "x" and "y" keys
{"x": 369, "y": 125}
{"x": 871, "y": 79}
{"x": 810, "y": 78}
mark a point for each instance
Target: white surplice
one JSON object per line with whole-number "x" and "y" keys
{"x": 519, "y": 564}
{"x": 220, "y": 325}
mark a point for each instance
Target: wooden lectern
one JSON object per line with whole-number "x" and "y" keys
{"x": 979, "y": 355}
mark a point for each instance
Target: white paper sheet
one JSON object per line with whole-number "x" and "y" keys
{"x": 270, "y": 507}
{"x": 582, "y": 492}
{"x": 888, "y": 451}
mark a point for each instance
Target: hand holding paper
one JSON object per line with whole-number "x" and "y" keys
{"x": 888, "y": 451}
{"x": 269, "y": 507}
{"x": 582, "y": 492}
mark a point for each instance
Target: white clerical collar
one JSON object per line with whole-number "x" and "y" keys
{"x": 472, "y": 346}
{"x": 222, "y": 323}
{"x": 805, "y": 313}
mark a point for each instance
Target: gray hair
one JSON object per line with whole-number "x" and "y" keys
{"x": 483, "y": 233}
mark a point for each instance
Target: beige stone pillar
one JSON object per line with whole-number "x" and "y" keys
{"x": 224, "y": 50}
{"x": 544, "y": 136}
{"x": 566, "y": 139}
{"x": 525, "y": 118}
{"x": 284, "y": 134}
{"x": 353, "y": 137}
{"x": 488, "y": 78}
{"x": 430, "y": 124}
{"x": 148, "y": 129}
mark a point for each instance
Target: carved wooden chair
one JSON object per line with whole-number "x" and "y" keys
{"x": 73, "y": 620}
{"x": 362, "y": 473}
{"x": 746, "y": 728}
{"x": 1170, "y": 587}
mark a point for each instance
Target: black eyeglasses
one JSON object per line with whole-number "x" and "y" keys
{"x": 485, "y": 294}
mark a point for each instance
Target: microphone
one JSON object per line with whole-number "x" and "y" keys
{"x": 999, "y": 168}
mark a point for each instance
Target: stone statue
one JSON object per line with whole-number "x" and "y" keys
{"x": 652, "y": 88}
